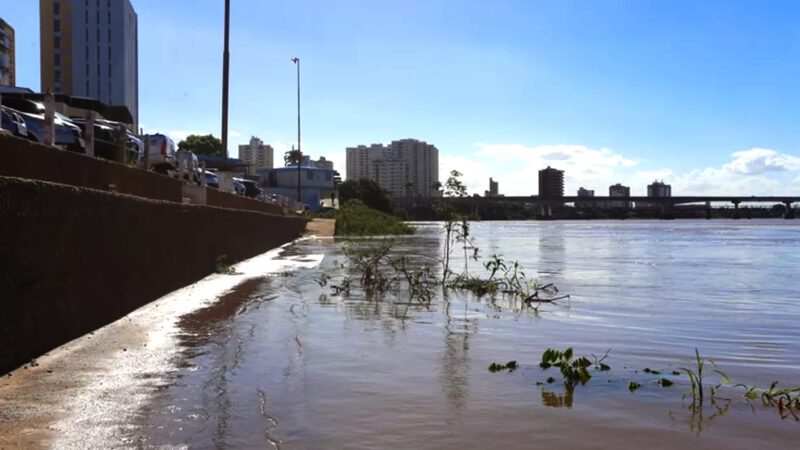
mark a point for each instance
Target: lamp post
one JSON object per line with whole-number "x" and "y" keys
{"x": 296, "y": 61}
{"x": 225, "y": 79}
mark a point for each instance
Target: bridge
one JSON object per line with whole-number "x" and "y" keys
{"x": 546, "y": 203}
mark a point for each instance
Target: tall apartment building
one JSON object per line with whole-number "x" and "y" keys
{"x": 89, "y": 48}
{"x": 7, "y": 58}
{"x": 257, "y": 155}
{"x": 551, "y": 183}
{"x": 494, "y": 189}
{"x": 405, "y": 168}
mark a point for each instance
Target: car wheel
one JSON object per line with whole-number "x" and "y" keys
{"x": 32, "y": 137}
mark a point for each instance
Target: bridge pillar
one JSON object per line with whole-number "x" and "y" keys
{"x": 708, "y": 210}
{"x": 736, "y": 209}
{"x": 789, "y": 211}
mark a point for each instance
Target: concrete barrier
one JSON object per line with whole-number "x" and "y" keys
{"x": 25, "y": 159}
{"x": 75, "y": 259}
{"x": 233, "y": 201}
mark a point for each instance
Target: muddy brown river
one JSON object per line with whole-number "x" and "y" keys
{"x": 280, "y": 362}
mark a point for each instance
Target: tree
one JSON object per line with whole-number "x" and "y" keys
{"x": 369, "y": 192}
{"x": 292, "y": 157}
{"x": 202, "y": 145}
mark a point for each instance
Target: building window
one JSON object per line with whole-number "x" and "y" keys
{"x": 98, "y": 53}
{"x": 87, "y": 90}
{"x": 58, "y": 76}
{"x": 109, "y": 16}
{"x": 57, "y": 26}
{"x": 327, "y": 176}
{"x": 57, "y": 42}
{"x": 98, "y": 17}
{"x": 109, "y": 53}
{"x": 58, "y": 59}
{"x": 109, "y": 70}
{"x": 309, "y": 175}
{"x": 56, "y": 8}
{"x": 98, "y": 76}
{"x": 98, "y": 35}
{"x": 87, "y": 53}
{"x": 109, "y": 35}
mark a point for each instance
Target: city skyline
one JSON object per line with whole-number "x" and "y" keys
{"x": 503, "y": 91}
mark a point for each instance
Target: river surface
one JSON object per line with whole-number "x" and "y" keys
{"x": 280, "y": 362}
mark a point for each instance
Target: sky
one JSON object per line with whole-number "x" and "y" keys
{"x": 702, "y": 94}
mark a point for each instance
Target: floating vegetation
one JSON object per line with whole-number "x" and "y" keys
{"x": 665, "y": 382}
{"x": 786, "y": 400}
{"x": 633, "y": 386}
{"x": 573, "y": 371}
{"x": 496, "y": 367}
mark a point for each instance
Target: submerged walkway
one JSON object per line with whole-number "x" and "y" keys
{"x": 321, "y": 227}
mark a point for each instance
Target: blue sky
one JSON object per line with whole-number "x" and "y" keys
{"x": 702, "y": 94}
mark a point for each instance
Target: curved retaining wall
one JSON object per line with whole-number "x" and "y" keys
{"x": 75, "y": 259}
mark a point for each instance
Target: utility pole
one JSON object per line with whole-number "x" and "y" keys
{"x": 225, "y": 81}
{"x": 296, "y": 61}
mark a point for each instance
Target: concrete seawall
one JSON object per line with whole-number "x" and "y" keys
{"x": 74, "y": 259}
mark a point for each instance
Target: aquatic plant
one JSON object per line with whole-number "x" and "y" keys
{"x": 497, "y": 367}
{"x": 573, "y": 371}
{"x": 633, "y": 386}
{"x": 786, "y": 400}
{"x": 697, "y": 379}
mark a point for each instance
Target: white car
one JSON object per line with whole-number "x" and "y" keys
{"x": 161, "y": 157}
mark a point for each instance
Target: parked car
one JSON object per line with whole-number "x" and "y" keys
{"x": 161, "y": 156}
{"x": 106, "y": 141}
{"x": 251, "y": 188}
{"x": 13, "y": 123}
{"x": 238, "y": 187}
{"x": 187, "y": 163}
{"x": 212, "y": 180}
{"x": 67, "y": 134}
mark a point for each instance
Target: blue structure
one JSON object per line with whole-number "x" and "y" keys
{"x": 316, "y": 184}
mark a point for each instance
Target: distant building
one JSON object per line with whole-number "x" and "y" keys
{"x": 494, "y": 189}
{"x": 257, "y": 155}
{"x": 619, "y": 191}
{"x": 659, "y": 190}
{"x": 321, "y": 163}
{"x": 407, "y": 167}
{"x": 551, "y": 183}
{"x": 7, "y": 56}
{"x": 584, "y": 193}
{"x": 315, "y": 184}
{"x": 90, "y": 49}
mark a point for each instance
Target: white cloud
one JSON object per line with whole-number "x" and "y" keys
{"x": 235, "y": 134}
{"x": 760, "y": 160}
{"x": 756, "y": 171}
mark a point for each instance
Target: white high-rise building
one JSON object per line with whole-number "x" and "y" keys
{"x": 89, "y": 48}
{"x": 405, "y": 168}
{"x": 257, "y": 155}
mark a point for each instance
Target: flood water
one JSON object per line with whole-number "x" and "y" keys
{"x": 282, "y": 363}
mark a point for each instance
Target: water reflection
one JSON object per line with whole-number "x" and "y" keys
{"x": 312, "y": 370}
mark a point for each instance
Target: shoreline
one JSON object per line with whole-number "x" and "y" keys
{"x": 67, "y": 397}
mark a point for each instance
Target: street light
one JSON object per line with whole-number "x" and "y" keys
{"x": 225, "y": 65}
{"x": 296, "y": 61}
